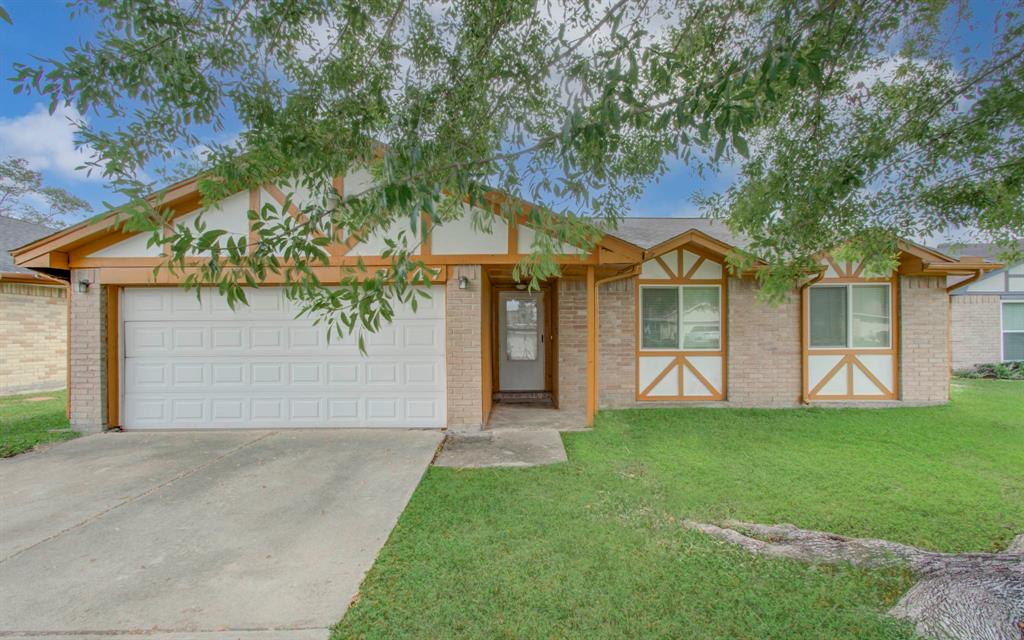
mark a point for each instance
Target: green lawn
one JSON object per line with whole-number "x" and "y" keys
{"x": 26, "y": 421}
{"x": 592, "y": 548}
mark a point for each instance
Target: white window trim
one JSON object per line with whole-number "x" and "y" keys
{"x": 849, "y": 315}
{"x": 1002, "y": 331}
{"x": 679, "y": 341}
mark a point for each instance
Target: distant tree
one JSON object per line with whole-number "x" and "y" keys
{"x": 23, "y": 195}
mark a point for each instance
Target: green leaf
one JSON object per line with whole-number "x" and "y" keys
{"x": 740, "y": 144}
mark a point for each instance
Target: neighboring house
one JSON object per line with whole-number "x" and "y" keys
{"x": 33, "y": 318}
{"x": 649, "y": 318}
{"x": 987, "y": 311}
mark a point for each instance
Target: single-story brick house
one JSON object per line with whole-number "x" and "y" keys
{"x": 649, "y": 317}
{"x": 987, "y": 310}
{"x": 33, "y": 318}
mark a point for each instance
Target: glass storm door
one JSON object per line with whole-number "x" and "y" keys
{"x": 520, "y": 341}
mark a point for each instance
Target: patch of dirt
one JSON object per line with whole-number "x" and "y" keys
{"x": 40, "y": 398}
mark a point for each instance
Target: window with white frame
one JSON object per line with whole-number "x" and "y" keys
{"x": 1013, "y": 330}
{"x": 850, "y": 316}
{"x": 680, "y": 317}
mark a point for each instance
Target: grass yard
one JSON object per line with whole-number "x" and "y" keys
{"x": 592, "y": 548}
{"x": 28, "y": 420}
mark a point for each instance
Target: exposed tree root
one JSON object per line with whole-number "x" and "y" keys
{"x": 966, "y": 596}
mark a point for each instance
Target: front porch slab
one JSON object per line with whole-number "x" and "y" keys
{"x": 533, "y": 417}
{"x": 501, "y": 449}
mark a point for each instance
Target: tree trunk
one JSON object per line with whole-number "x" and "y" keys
{"x": 967, "y": 596}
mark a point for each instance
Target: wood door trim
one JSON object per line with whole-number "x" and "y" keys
{"x": 550, "y": 351}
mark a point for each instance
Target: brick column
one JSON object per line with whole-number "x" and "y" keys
{"x": 572, "y": 345}
{"x": 764, "y": 357}
{"x": 463, "y": 349}
{"x": 616, "y": 344}
{"x": 924, "y": 339}
{"x": 88, "y": 392}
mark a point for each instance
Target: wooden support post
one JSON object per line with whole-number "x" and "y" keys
{"x": 591, "y": 344}
{"x": 113, "y": 357}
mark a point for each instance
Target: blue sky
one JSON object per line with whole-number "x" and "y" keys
{"x": 43, "y": 28}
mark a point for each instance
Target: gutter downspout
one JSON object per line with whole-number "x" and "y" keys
{"x": 803, "y": 335}
{"x": 966, "y": 281}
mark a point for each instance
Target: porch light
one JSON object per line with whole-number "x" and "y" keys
{"x": 463, "y": 282}
{"x": 83, "y": 286}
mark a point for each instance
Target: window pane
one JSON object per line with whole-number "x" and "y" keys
{"x": 871, "y": 316}
{"x": 1013, "y": 346}
{"x": 1013, "y": 317}
{"x": 521, "y": 328}
{"x": 659, "y": 310}
{"x": 701, "y": 318}
{"x": 828, "y": 316}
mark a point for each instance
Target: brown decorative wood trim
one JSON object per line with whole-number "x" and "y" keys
{"x": 850, "y": 355}
{"x": 345, "y": 260}
{"x": 678, "y": 364}
{"x": 672, "y": 274}
{"x": 696, "y": 265}
{"x": 254, "y": 205}
{"x": 113, "y": 356}
{"x": 680, "y": 356}
{"x": 293, "y": 210}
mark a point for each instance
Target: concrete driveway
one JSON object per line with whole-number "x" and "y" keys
{"x": 246, "y": 534}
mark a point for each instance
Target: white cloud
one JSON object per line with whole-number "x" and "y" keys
{"x": 46, "y": 141}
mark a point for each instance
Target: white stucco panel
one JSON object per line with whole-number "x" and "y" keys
{"x": 458, "y": 237}
{"x": 133, "y": 247}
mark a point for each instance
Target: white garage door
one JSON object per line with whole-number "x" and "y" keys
{"x": 192, "y": 363}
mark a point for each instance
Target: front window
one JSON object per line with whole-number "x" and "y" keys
{"x": 521, "y": 328}
{"x": 1013, "y": 330}
{"x": 845, "y": 316}
{"x": 680, "y": 317}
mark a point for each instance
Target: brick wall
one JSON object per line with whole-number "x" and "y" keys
{"x": 616, "y": 362}
{"x": 462, "y": 349}
{"x": 33, "y": 337}
{"x": 764, "y": 360}
{"x": 88, "y": 354}
{"x": 924, "y": 339}
{"x": 572, "y": 344}
{"x": 976, "y": 338}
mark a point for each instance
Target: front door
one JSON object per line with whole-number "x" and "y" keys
{"x": 521, "y": 341}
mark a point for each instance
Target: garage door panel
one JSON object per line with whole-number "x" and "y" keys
{"x": 171, "y": 376}
{"x": 159, "y": 303}
{"x": 200, "y": 365}
{"x": 301, "y": 411}
{"x": 197, "y": 338}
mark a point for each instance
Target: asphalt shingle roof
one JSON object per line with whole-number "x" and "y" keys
{"x": 987, "y": 251}
{"x": 647, "y": 232}
{"x": 16, "y": 233}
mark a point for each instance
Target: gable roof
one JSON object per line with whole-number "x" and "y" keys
{"x": 647, "y": 232}
{"x": 15, "y": 233}
{"x": 986, "y": 251}
{"x": 635, "y": 239}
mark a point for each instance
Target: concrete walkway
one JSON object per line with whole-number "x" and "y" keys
{"x": 501, "y": 448}
{"x": 247, "y": 534}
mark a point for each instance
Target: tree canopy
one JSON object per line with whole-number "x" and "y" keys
{"x": 23, "y": 195}
{"x": 852, "y": 123}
